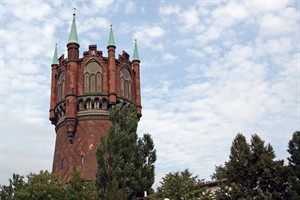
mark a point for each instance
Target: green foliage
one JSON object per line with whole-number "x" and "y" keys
{"x": 15, "y": 184}
{"x": 251, "y": 171}
{"x": 45, "y": 186}
{"x": 220, "y": 173}
{"x": 79, "y": 189}
{"x": 41, "y": 186}
{"x": 294, "y": 167}
{"x": 125, "y": 163}
{"x": 181, "y": 185}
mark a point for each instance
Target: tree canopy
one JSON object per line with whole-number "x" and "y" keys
{"x": 251, "y": 171}
{"x": 125, "y": 163}
{"x": 48, "y": 186}
{"x": 294, "y": 166}
{"x": 39, "y": 186}
{"x": 181, "y": 186}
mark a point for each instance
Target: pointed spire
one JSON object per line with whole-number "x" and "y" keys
{"x": 135, "y": 53}
{"x": 73, "y": 38}
{"x": 111, "y": 41}
{"x": 55, "y": 58}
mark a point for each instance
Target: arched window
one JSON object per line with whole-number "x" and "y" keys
{"x": 60, "y": 89}
{"x": 92, "y": 78}
{"x": 125, "y": 83}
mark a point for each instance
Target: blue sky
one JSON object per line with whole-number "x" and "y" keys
{"x": 209, "y": 70}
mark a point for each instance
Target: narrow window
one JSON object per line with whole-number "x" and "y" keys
{"x": 86, "y": 82}
{"x": 92, "y": 83}
{"x": 62, "y": 89}
{"x": 82, "y": 160}
{"x": 61, "y": 86}
{"x": 89, "y": 105}
{"x": 122, "y": 86}
{"x": 99, "y": 82}
{"x": 126, "y": 88}
{"x": 125, "y": 83}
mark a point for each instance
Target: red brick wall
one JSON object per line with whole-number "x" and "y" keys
{"x": 87, "y": 139}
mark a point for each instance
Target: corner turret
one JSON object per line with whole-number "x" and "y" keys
{"x": 136, "y": 68}
{"x": 71, "y": 86}
{"x": 54, "y": 67}
{"x": 112, "y": 93}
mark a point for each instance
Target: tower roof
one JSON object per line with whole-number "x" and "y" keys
{"x": 55, "y": 57}
{"x": 111, "y": 40}
{"x": 73, "y": 38}
{"x": 135, "y": 52}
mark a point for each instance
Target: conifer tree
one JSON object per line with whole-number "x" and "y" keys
{"x": 252, "y": 172}
{"x": 125, "y": 164}
{"x": 294, "y": 166}
{"x": 181, "y": 185}
{"x": 239, "y": 161}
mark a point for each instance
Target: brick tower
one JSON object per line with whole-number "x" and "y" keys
{"x": 82, "y": 92}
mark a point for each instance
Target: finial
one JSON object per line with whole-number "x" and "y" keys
{"x": 74, "y": 11}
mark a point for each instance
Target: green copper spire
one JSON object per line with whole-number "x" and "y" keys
{"x": 135, "y": 53}
{"x": 111, "y": 41}
{"x": 55, "y": 58}
{"x": 73, "y": 38}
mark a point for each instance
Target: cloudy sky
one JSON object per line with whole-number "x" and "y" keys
{"x": 209, "y": 70}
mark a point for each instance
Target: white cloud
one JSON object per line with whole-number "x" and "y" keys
{"x": 24, "y": 12}
{"x": 169, "y": 10}
{"x": 129, "y": 7}
{"x": 267, "y": 6}
{"x": 96, "y": 23}
{"x": 169, "y": 57}
{"x": 225, "y": 16}
{"x": 238, "y": 54}
{"x": 274, "y": 25}
{"x": 190, "y": 19}
{"x": 148, "y": 35}
{"x": 210, "y": 34}
{"x": 149, "y": 32}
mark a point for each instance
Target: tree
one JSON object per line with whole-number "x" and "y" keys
{"x": 239, "y": 161}
{"x": 220, "y": 172}
{"x": 15, "y": 184}
{"x": 41, "y": 186}
{"x": 125, "y": 163}
{"x": 181, "y": 186}
{"x": 294, "y": 166}
{"x": 46, "y": 185}
{"x": 267, "y": 177}
{"x": 79, "y": 189}
{"x": 251, "y": 171}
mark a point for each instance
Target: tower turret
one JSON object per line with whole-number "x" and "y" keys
{"x": 136, "y": 68}
{"x": 54, "y": 67}
{"x": 111, "y": 68}
{"x": 71, "y": 80}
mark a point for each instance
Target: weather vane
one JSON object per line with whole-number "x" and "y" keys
{"x": 74, "y": 10}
